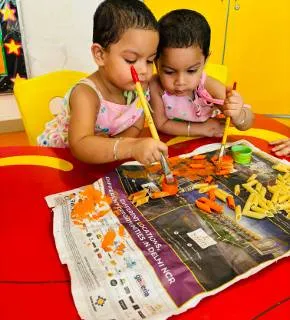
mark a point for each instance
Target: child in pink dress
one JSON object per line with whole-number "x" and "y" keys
{"x": 98, "y": 122}
{"x": 184, "y": 99}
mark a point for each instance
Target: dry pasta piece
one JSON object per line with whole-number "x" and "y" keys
{"x": 231, "y": 202}
{"x": 258, "y": 209}
{"x": 212, "y": 205}
{"x": 203, "y": 206}
{"x": 211, "y": 195}
{"x": 139, "y": 202}
{"x": 222, "y": 172}
{"x": 208, "y": 179}
{"x": 259, "y": 186}
{"x": 281, "y": 167}
{"x": 200, "y": 185}
{"x": 284, "y": 198}
{"x": 263, "y": 192}
{"x": 159, "y": 194}
{"x": 255, "y": 215}
{"x": 197, "y": 165}
{"x": 237, "y": 189}
{"x": 249, "y": 203}
{"x": 252, "y": 177}
{"x": 138, "y": 194}
{"x": 220, "y": 195}
{"x": 199, "y": 157}
{"x": 250, "y": 183}
{"x": 238, "y": 212}
{"x": 275, "y": 196}
{"x": 207, "y": 188}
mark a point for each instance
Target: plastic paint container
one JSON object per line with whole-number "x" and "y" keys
{"x": 242, "y": 154}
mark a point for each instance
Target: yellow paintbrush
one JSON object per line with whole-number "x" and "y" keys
{"x": 224, "y": 140}
{"x": 167, "y": 172}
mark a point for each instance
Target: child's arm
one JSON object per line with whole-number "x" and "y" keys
{"x": 135, "y": 130}
{"x": 88, "y": 147}
{"x": 210, "y": 128}
{"x": 281, "y": 147}
{"x": 242, "y": 117}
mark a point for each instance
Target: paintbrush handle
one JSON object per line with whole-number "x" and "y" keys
{"x": 227, "y": 125}
{"x": 144, "y": 104}
{"x": 147, "y": 112}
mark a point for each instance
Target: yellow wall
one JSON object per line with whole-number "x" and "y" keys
{"x": 214, "y": 11}
{"x": 257, "y": 46}
{"x": 258, "y": 51}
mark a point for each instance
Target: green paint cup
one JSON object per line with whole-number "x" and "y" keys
{"x": 242, "y": 154}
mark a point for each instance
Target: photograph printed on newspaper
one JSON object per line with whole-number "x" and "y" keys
{"x": 131, "y": 256}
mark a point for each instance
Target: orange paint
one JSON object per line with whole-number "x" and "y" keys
{"x": 197, "y": 166}
{"x": 231, "y": 202}
{"x": 121, "y": 247}
{"x": 208, "y": 179}
{"x": 121, "y": 231}
{"x": 85, "y": 208}
{"x": 159, "y": 194}
{"x": 211, "y": 195}
{"x": 199, "y": 157}
{"x": 212, "y": 205}
{"x": 222, "y": 172}
{"x": 171, "y": 189}
{"x": 108, "y": 240}
{"x": 203, "y": 206}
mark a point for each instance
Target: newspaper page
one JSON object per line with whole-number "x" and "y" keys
{"x": 151, "y": 258}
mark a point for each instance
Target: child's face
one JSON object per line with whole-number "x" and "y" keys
{"x": 180, "y": 69}
{"x": 136, "y": 47}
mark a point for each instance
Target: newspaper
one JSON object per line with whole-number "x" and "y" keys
{"x": 162, "y": 257}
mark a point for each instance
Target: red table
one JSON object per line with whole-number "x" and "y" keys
{"x": 34, "y": 284}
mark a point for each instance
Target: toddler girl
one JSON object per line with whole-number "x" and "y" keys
{"x": 182, "y": 91}
{"x": 102, "y": 119}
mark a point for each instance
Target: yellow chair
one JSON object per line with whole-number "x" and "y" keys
{"x": 34, "y": 95}
{"x": 217, "y": 71}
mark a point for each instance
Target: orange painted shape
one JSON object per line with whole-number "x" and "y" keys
{"x": 199, "y": 157}
{"x": 208, "y": 179}
{"x": 231, "y": 202}
{"x": 159, "y": 194}
{"x": 172, "y": 189}
{"x": 197, "y": 166}
{"x": 108, "y": 240}
{"x": 212, "y": 205}
{"x": 121, "y": 231}
{"x": 211, "y": 195}
{"x": 203, "y": 206}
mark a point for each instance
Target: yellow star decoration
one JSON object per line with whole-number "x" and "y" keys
{"x": 13, "y": 47}
{"x": 8, "y": 13}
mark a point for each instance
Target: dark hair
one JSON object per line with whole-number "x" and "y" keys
{"x": 113, "y": 17}
{"x": 184, "y": 28}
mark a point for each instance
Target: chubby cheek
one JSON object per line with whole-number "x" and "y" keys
{"x": 123, "y": 75}
{"x": 166, "y": 82}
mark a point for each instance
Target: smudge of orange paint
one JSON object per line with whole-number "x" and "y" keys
{"x": 108, "y": 240}
{"x": 85, "y": 208}
{"x": 121, "y": 231}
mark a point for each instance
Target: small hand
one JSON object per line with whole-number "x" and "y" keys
{"x": 212, "y": 128}
{"x": 281, "y": 147}
{"x": 148, "y": 150}
{"x": 233, "y": 105}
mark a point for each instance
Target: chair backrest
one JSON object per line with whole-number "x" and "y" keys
{"x": 217, "y": 71}
{"x": 34, "y": 95}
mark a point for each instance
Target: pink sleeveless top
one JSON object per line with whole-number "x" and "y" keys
{"x": 112, "y": 119}
{"x": 185, "y": 108}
